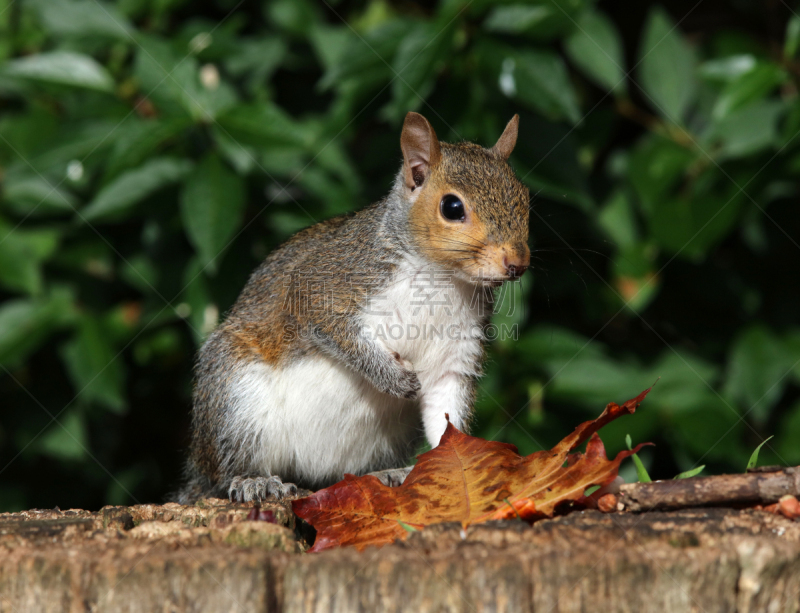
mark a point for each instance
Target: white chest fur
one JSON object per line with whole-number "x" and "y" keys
{"x": 431, "y": 318}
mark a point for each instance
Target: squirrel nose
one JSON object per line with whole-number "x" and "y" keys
{"x": 515, "y": 267}
{"x": 517, "y": 264}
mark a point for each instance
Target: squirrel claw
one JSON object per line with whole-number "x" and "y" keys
{"x": 259, "y": 489}
{"x": 407, "y": 385}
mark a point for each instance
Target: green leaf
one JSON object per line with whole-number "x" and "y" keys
{"x": 618, "y": 220}
{"x": 243, "y": 158}
{"x": 686, "y": 383}
{"x": 212, "y": 204}
{"x": 517, "y": 18}
{"x": 699, "y": 430}
{"x": 136, "y": 140}
{"x": 749, "y": 87}
{"x": 262, "y": 125}
{"x": 792, "y": 42}
{"x": 419, "y": 57}
{"x": 641, "y": 471}
{"x": 667, "y": 67}
{"x": 788, "y": 435}
{"x": 690, "y": 473}
{"x": 95, "y": 367}
{"x": 728, "y": 68}
{"x": 256, "y": 60}
{"x": 557, "y": 173}
{"x": 540, "y": 80}
{"x": 61, "y": 68}
{"x": 759, "y": 368}
{"x": 173, "y": 81}
{"x": 65, "y": 439}
{"x": 596, "y": 48}
{"x": 22, "y": 252}
{"x": 509, "y": 310}
{"x": 545, "y": 20}
{"x": 140, "y": 272}
{"x": 591, "y": 490}
{"x": 753, "y": 461}
{"x": 407, "y": 527}
{"x": 791, "y": 341}
{"x": 656, "y": 166}
{"x": 747, "y": 131}
{"x": 117, "y": 199}
{"x": 686, "y": 213}
{"x": 590, "y": 379}
{"x": 32, "y": 194}
{"x": 330, "y": 44}
{"x": 546, "y": 343}
{"x": 295, "y": 16}
{"x": 82, "y": 18}
{"x": 691, "y": 224}
{"x": 162, "y": 343}
{"x": 78, "y": 141}
{"x": 28, "y": 133}
{"x": 25, "y": 324}
{"x": 164, "y": 77}
{"x": 350, "y": 58}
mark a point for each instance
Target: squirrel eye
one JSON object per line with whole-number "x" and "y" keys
{"x": 452, "y": 208}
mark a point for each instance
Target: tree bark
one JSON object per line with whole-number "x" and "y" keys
{"x": 211, "y": 558}
{"x": 751, "y": 488}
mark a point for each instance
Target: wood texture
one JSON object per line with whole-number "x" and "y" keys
{"x": 747, "y": 489}
{"x": 210, "y": 558}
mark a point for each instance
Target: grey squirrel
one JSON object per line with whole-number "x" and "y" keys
{"x": 362, "y": 331}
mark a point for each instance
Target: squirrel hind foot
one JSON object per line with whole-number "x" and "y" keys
{"x": 392, "y": 477}
{"x": 259, "y": 489}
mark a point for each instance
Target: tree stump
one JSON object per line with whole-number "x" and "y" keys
{"x": 210, "y": 557}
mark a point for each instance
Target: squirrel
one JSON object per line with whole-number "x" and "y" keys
{"x": 363, "y": 331}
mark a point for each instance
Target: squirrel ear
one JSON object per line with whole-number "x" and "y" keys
{"x": 420, "y": 149}
{"x": 505, "y": 144}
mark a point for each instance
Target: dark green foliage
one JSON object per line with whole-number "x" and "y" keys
{"x": 153, "y": 152}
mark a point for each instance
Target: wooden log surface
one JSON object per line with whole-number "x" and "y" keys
{"x": 209, "y": 557}
{"x": 762, "y": 487}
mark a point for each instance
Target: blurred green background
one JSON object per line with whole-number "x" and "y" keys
{"x": 152, "y": 152}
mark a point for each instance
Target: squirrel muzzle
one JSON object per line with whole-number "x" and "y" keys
{"x": 503, "y": 263}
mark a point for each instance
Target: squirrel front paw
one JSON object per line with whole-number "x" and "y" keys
{"x": 258, "y": 489}
{"x": 403, "y": 381}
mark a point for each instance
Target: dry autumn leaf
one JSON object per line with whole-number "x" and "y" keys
{"x": 464, "y": 479}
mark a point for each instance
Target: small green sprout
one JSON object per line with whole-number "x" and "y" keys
{"x": 751, "y": 463}
{"x": 690, "y": 473}
{"x": 512, "y": 508}
{"x": 641, "y": 471}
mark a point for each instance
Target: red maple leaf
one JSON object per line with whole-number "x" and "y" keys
{"x": 464, "y": 479}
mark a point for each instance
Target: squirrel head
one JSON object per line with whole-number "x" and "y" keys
{"x": 468, "y": 211}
